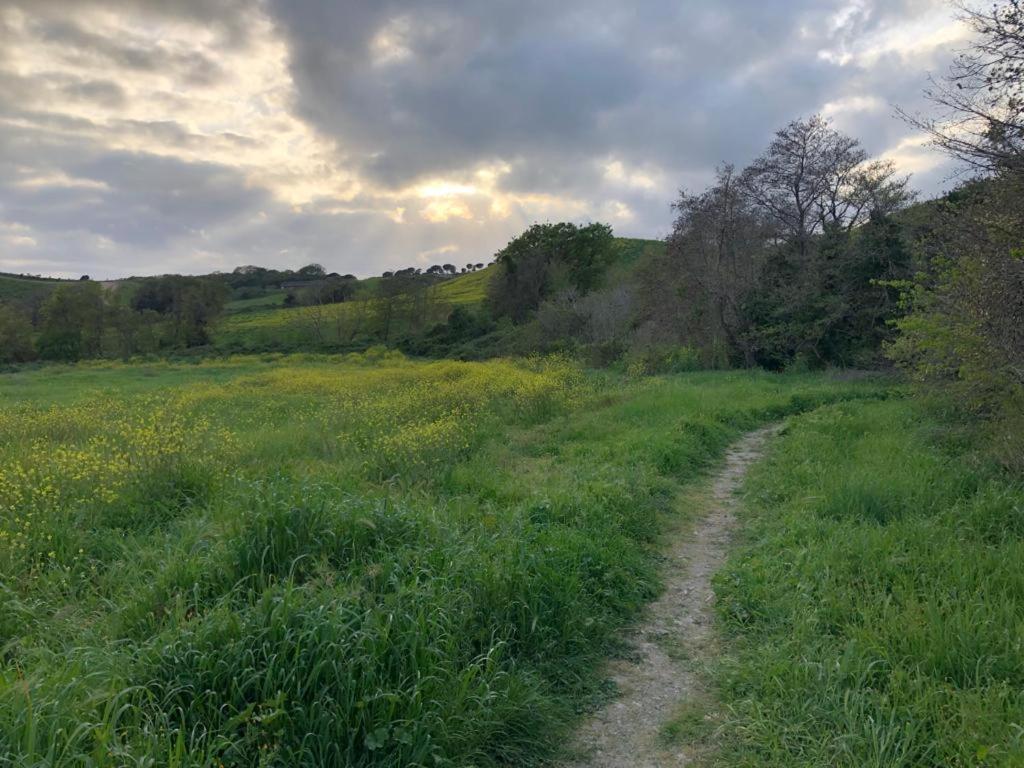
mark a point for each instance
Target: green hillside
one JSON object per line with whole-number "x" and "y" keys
{"x": 21, "y": 288}
{"x": 470, "y": 288}
{"x": 266, "y": 323}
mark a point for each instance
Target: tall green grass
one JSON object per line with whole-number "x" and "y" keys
{"x": 876, "y": 610}
{"x": 298, "y": 598}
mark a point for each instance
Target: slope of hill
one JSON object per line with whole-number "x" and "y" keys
{"x": 470, "y": 288}
{"x": 265, "y": 323}
{"x": 21, "y": 287}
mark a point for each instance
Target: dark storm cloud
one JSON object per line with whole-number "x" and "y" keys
{"x": 133, "y": 199}
{"x": 587, "y": 108}
{"x": 685, "y": 85}
{"x": 449, "y": 86}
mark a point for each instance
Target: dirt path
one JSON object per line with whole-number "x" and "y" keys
{"x": 667, "y": 648}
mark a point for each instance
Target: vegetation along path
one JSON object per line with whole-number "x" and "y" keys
{"x": 661, "y": 672}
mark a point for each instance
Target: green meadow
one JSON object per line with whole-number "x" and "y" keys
{"x": 874, "y": 609}
{"x": 355, "y": 560}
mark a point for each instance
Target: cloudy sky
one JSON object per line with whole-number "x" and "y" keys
{"x": 152, "y": 136}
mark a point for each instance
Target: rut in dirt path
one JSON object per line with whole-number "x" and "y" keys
{"x": 654, "y": 681}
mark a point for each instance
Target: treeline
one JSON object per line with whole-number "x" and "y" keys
{"x": 793, "y": 260}
{"x": 393, "y": 309}
{"x": 786, "y": 261}
{"x": 312, "y": 284}
{"x": 84, "y": 319}
{"x": 962, "y": 329}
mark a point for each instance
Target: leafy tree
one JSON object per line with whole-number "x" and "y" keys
{"x": 311, "y": 271}
{"x": 394, "y": 300}
{"x": 547, "y": 258}
{"x": 189, "y": 306}
{"x": 774, "y": 263}
{"x": 134, "y": 331}
{"x": 73, "y": 318}
{"x": 15, "y": 336}
{"x": 834, "y": 305}
{"x": 333, "y": 290}
{"x": 867, "y": 266}
{"x": 965, "y": 326}
{"x": 964, "y": 331}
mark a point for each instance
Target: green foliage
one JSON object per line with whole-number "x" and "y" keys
{"x": 782, "y": 263}
{"x": 73, "y": 321}
{"x": 874, "y": 609}
{"x": 15, "y": 337}
{"x": 661, "y": 359}
{"x": 63, "y": 344}
{"x": 189, "y": 304}
{"x": 84, "y": 320}
{"x": 312, "y": 561}
{"x": 446, "y": 339}
{"x": 964, "y": 330}
{"x": 833, "y": 306}
{"x": 544, "y": 259}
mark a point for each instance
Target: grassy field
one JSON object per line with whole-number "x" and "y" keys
{"x": 272, "y": 300}
{"x": 470, "y": 288}
{"x": 876, "y": 610}
{"x": 360, "y": 561}
{"x": 17, "y": 288}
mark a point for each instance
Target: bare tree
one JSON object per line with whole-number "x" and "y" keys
{"x": 813, "y": 178}
{"x": 981, "y": 99}
{"x": 351, "y": 318}
{"x": 713, "y": 256}
{"x": 865, "y": 190}
{"x": 607, "y": 314}
{"x": 792, "y": 179}
{"x": 401, "y": 298}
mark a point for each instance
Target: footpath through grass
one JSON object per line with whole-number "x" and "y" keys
{"x": 356, "y": 561}
{"x": 876, "y": 610}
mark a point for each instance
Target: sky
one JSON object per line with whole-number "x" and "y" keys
{"x": 158, "y": 136}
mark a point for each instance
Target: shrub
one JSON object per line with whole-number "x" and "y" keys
{"x": 661, "y": 359}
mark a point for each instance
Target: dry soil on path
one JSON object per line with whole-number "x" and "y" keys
{"x": 662, "y": 670}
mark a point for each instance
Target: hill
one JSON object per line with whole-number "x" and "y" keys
{"x": 310, "y": 309}
{"x": 267, "y": 323}
{"x": 24, "y": 287}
